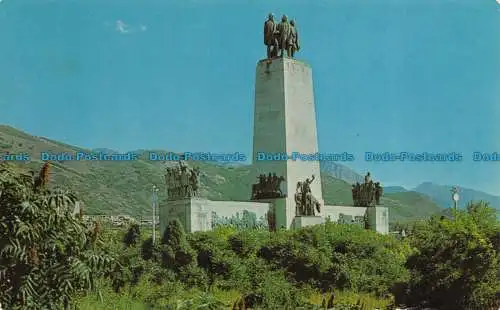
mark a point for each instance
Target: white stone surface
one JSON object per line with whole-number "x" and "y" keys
{"x": 285, "y": 122}
{"x": 304, "y": 221}
{"x": 178, "y": 209}
{"x": 197, "y": 214}
{"x": 333, "y": 212}
{"x": 378, "y": 219}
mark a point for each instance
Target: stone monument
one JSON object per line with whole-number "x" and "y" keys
{"x": 287, "y": 193}
{"x": 285, "y": 125}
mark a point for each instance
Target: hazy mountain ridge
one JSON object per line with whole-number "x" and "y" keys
{"x": 340, "y": 172}
{"x": 114, "y": 187}
{"x": 394, "y": 189}
{"x": 441, "y": 194}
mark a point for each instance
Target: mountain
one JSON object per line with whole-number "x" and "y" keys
{"x": 124, "y": 187}
{"x": 340, "y": 172}
{"x": 104, "y": 150}
{"x": 441, "y": 194}
{"x": 394, "y": 189}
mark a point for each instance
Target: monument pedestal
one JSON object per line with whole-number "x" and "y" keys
{"x": 285, "y": 130}
{"x": 378, "y": 219}
{"x": 178, "y": 210}
{"x": 304, "y": 221}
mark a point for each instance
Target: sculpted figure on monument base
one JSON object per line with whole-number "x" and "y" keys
{"x": 284, "y": 33}
{"x": 299, "y": 207}
{"x": 282, "y": 37}
{"x": 367, "y": 194}
{"x": 182, "y": 182}
{"x": 270, "y": 37}
{"x": 305, "y": 202}
{"x": 367, "y": 178}
{"x": 293, "y": 42}
{"x": 267, "y": 187}
{"x": 194, "y": 181}
{"x": 379, "y": 190}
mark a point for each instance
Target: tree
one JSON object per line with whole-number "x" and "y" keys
{"x": 456, "y": 265}
{"x": 132, "y": 236}
{"x": 176, "y": 251}
{"x": 46, "y": 254}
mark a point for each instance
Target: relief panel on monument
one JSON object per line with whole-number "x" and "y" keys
{"x": 243, "y": 220}
{"x": 349, "y": 219}
{"x": 201, "y": 218}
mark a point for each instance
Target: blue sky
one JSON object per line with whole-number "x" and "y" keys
{"x": 421, "y": 75}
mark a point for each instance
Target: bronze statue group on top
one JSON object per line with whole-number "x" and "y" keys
{"x": 367, "y": 194}
{"x": 281, "y": 37}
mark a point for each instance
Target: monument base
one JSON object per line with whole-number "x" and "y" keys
{"x": 378, "y": 219}
{"x": 198, "y": 214}
{"x": 304, "y": 221}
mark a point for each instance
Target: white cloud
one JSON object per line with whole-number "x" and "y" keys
{"x": 124, "y": 28}
{"x": 121, "y": 27}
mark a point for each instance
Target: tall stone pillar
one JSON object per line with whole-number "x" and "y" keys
{"x": 284, "y": 123}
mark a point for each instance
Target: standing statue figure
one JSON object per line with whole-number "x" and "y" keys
{"x": 274, "y": 184}
{"x": 195, "y": 181}
{"x": 279, "y": 192}
{"x": 304, "y": 199}
{"x": 307, "y": 196}
{"x": 184, "y": 180}
{"x": 299, "y": 207}
{"x": 293, "y": 41}
{"x": 284, "y": 32}
{"x": 175, "y": 182}
{"x": 270, "y": 39}
{"x": 258, "y": 187}
{"x": 355, "y": 190}
{"x": 269, "y": 184}
{"x": 378, "y": 192}
{"x": 306, "y": 186}
{"x": 178, "y": 182}
{"x": 262, "y": 181}
{"x": 367, "y": 178}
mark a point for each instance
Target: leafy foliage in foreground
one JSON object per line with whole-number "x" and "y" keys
{"x": 301, "y": 269}
{"x": 457, "y": 263}
{"x": 47, "y": 255}
{"x": 50, "y": 260}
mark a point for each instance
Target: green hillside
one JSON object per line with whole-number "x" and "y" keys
{"x": 124, "y": 187}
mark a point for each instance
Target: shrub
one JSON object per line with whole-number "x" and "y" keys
{"x": 456, "y": 265}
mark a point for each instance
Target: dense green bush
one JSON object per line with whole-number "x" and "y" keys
{"x": 48, "y": 257}
{"x": 456, "y": 265}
